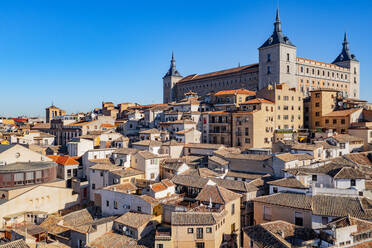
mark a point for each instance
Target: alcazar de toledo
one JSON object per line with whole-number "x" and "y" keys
{"x": 278, "y": 63}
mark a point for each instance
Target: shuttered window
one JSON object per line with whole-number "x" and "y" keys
{"x": 19, "y": 177}
{"x": 29, "y": 175}
{"x": 38, "y": 174}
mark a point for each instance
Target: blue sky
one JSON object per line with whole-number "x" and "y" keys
{"x": 78, "y": 53}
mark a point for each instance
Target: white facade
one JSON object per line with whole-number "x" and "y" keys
{"x": 150, "y": 167}
{"x": 78, "y": 148}
{"x": 118, "y": 203}
{"x": 92, "y": 155}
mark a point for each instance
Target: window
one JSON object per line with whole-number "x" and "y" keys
{"x": 268, "y": 70}
{"x": 324, "y": 220}
{"x": 317, "y": 113}
{"x": 343, "y": 121}
{"x": 200, "y": 245}
{"x": 93, "y": 186}
{"x": 287, "y": 68}
{"x": 107, "y": 203}
{"x": 233, "y": 209}
{"x": 115, "y": 205}
{"x": 287, "y": 56}
{"x": 326, "y": 121}
{"x": 199, "y": 233}
{"x": 208, "y": 230}
{"x": 352, "y": 182}
{"x": 275, "y": 189}
{"x": 266, "y": 213}
{"x": 159, "y": 246}
{"x": 314, "y": 178}
{"x": 268, "y": 57}
{"x": 152, "y": 175}
{"x": 334, "y": 121}
{"x": 139, "y": 208}
{"x": 190, "y": 230}
{"x": 317, "y": 104}
{"x": 299, "y": 219}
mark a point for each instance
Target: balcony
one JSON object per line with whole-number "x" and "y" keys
{"x": 163, "y": 236}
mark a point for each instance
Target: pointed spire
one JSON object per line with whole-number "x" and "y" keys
{"x": 173, "y": 61}
{"x": 277, "y": 23}
{"x": 172, "y": 69}
{"x": 345, "y": 44}
{"x": 345, "y": 54}
{"x": 277, "y": 15}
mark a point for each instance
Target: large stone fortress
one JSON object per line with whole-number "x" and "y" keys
{"x": 278, "y": 63}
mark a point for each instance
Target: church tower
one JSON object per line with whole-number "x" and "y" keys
{"x": 169, "y": 82}
{"x": 277, "y": 59}
{"x": 348, "y": 60}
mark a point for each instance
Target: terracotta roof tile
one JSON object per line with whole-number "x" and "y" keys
{"x": 341, "y": 113}
{"x": 289, "y": 182}
{"x": 134, "y": 220}
{"x": 216, "y": 194}
{"x": 257, "y": 100}
{"x": 64, "y": 159}
{"x": 235, "y": 92}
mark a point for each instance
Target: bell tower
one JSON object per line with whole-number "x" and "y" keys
{"x": 170, "y": 80}
{"x": 277, "y": 59}
{"x": 348, "y": 60}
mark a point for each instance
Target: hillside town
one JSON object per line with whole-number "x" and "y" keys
{"x": 274, "y": 154}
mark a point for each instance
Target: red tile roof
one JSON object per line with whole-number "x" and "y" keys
{"x": 107, "y": 125}
{"x": 64, "y": 159}
{"x": 257, "y": 100}
{"x": 341, "y": 113}
{"x": 234, "y": 92}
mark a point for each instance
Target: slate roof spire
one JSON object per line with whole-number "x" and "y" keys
{"x": 277, "y": 36}
{"x": 345, "y": 54}
{"x": 172, "y": 69}
{"x": 277, "y": 23}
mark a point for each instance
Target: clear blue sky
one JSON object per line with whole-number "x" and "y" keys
{"x": 78, "y": 53}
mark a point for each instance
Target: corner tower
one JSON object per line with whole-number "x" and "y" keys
{"x": 277, "y": 59}
{"x": 169, "y": 82}
{"x": 348, "y": 60}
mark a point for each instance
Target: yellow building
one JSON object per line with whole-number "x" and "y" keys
{"x": 53, "y": 111}
{"x": 230, "y": 99}
{"x": 288, "y": 106}
{"x": 323, "y": 114}
{"x": 214, "y": 223}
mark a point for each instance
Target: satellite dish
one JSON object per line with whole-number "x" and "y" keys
{"x": 339, "y": 104}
